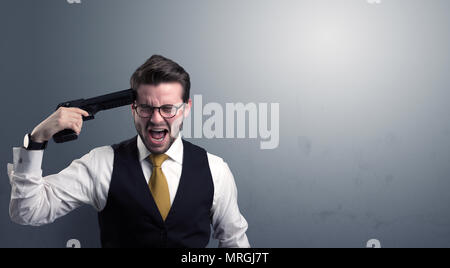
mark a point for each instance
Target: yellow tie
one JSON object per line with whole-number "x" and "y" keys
{"x": 158, "y": 185}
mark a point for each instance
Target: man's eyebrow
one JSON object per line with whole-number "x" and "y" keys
{"x": 146, "y": 104}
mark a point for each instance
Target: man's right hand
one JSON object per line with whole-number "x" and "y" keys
{"x": 63, "y": 118}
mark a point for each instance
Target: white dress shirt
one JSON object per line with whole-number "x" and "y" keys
{"x": 37, "y": 200}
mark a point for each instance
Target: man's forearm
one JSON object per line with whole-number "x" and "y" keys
{"x": 27, "y": 206}
{"x": 37, "y": 200}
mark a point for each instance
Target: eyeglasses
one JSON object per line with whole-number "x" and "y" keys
{"x": 166, "y": 111}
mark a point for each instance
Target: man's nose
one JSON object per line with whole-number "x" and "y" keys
{"x": 156, "y": 116}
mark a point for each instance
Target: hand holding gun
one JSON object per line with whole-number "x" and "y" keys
{"x": 66, "y": 122}
{"x": 93, "y": 106}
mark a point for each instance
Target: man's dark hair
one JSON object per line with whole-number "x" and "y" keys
{"x": 158, "y": 69}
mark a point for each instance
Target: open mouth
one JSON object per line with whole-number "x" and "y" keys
{"x": 158, "y": 136}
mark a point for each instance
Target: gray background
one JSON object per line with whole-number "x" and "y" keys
{"x": 363, "y": 90}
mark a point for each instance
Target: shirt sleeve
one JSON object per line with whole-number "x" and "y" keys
{"x": 37, "y": 200}
{"x": 228, "y": 223}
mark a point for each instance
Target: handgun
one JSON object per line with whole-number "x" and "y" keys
{"x": 93, "y": 106}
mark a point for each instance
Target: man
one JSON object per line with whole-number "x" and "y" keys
{"x": 153, "y": 190}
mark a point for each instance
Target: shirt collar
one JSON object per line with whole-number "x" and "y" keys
{"x": 175, "y": 151}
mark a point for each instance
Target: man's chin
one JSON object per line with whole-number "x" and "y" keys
{"x": 157, "y": 149}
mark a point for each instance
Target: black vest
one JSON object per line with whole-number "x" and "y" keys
{"x": 131, "y": 217}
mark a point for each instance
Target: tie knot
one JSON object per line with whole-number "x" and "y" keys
{"x": 158, "y": 159}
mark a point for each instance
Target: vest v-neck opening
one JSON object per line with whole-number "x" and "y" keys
{"x": 177, "y": 194}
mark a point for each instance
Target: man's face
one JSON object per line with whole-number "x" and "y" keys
{"x": 156, "y": 96}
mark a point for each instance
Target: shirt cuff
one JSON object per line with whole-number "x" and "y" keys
{"x": 27, "y": 161}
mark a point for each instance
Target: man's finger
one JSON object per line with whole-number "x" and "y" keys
{"x": 80, "y": 111}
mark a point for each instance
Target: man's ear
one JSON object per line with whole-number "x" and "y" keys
{"x": 187, "y": 108}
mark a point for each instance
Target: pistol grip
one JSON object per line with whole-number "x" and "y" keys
{"x": 65, "y": 135}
